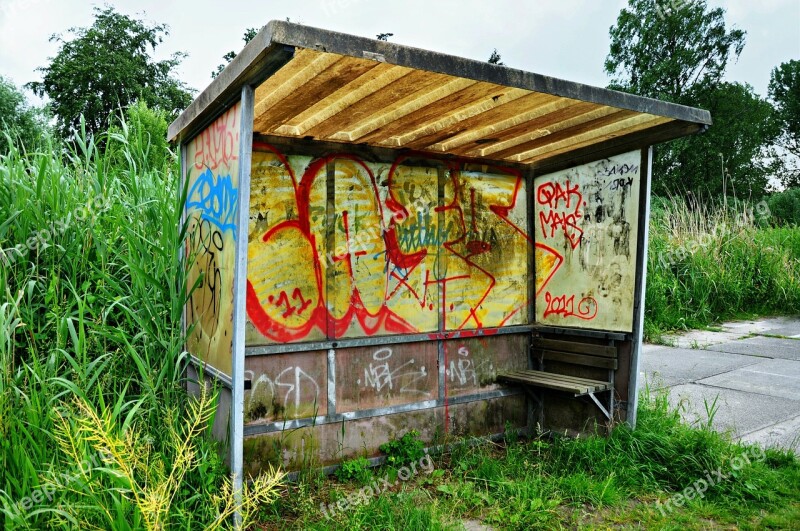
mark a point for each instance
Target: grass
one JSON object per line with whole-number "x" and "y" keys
{"x": 712, "y": 262}
{"x": 629, "y": 479}
{"x": 96, "y": 428}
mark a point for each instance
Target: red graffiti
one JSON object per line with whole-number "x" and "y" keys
{"x": 563, "y": 211}
{"x": 283, "y": 300}
{"x": 552, "y": 194}
{"x": 218, "y": 144}
{"x": 565, "y": 306}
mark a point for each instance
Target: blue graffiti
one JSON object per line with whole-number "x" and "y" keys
{"x": 216, "y": 201}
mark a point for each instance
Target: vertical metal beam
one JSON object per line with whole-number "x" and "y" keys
{"x": 641, "y": 283}
{"x": 330, "y": 245}
{"x": 239, "y": 291}
{"x": 531, "y": 404}
{"x": 438, "y": 273}
{"x": 531, "y": 220}
{"x": 181, "y": 222}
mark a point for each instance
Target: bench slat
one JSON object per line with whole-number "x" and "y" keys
{"x": 562, "y": 377}
{"x": 559, "y": 382}
{"x": 575, "y": 348}
{"x": 556, "y": 376}
{"x": 580, "y": 359}
{"x": 548, "y": 384}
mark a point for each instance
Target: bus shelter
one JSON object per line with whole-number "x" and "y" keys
{"x": 384, "y": 238}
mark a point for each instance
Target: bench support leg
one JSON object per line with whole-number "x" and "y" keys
{"x": 598, "y": 404}
{"x": 535, "y": 411}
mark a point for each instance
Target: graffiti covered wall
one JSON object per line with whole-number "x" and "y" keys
{"x": 343, "y": 247}
{"x": 586, "y": 228}
{"x": 211, "y": 208}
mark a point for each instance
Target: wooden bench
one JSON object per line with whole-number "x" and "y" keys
{"x": 574, "y": 353}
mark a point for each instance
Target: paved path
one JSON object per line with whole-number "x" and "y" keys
{"x": 750, "y": 368}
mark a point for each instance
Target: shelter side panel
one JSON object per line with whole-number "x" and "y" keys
{"x": 211, "y": 208}
{"x": 586, "y": 227}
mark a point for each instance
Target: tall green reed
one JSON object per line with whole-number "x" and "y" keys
{"x": 712, "y": 261}
{"x": 90, "y": 328}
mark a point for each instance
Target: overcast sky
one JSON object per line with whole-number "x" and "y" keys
{"x": 561, "y": 38}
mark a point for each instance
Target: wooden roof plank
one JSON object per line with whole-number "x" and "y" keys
{"x": 351, "y": 93}
{"x": 395, "y": 110}
{"x": 304, "y": 66}
{"x": 446, "y": 106}
{"x": 543, "y": 128}
{"x": 551, "y": 105}
{"x": 457, "y": 117}
{"x": 307, "y": 91}
{"x": 560, "y": 134}
{"x": 415, "y": 82}
{"x": 637, "y": 124}
{"x": 503, "y": 111}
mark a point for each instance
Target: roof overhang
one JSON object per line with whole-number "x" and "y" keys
{"x": 314, "y": 84}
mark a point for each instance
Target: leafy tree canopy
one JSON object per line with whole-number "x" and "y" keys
{"x": 495, "y": 58}
{"x": 20, "y": 124}
{"x": 663, "y": 53}
{"x": 784, "y": 91}
{"x": 732, "y": 157}
{"x": 107, "y": 66}
{"x": 678, "y": 50}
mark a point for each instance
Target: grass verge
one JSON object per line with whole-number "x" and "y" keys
{"x": 663, "y": 475}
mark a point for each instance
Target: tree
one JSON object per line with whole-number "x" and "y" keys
{"x": 20, "y": 124}
{"x": 732, "y": 157}
{"x": 384, "y": 36}
{"x": 680, "y": 55}
{"x": 106, "y": 67}
{"x": 495, "y": 58}
{"x": 664, "y": 53}
{"x": 249, "y": 33}
{"x": 784, "y": 91}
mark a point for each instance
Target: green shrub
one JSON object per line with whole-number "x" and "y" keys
{"x": 143, "y": 130}
{"x": 406, "y": 449}
{"x": 785, "y": 207}
{"x": 21, "y": 125}
{"x": 357, "y": 469}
